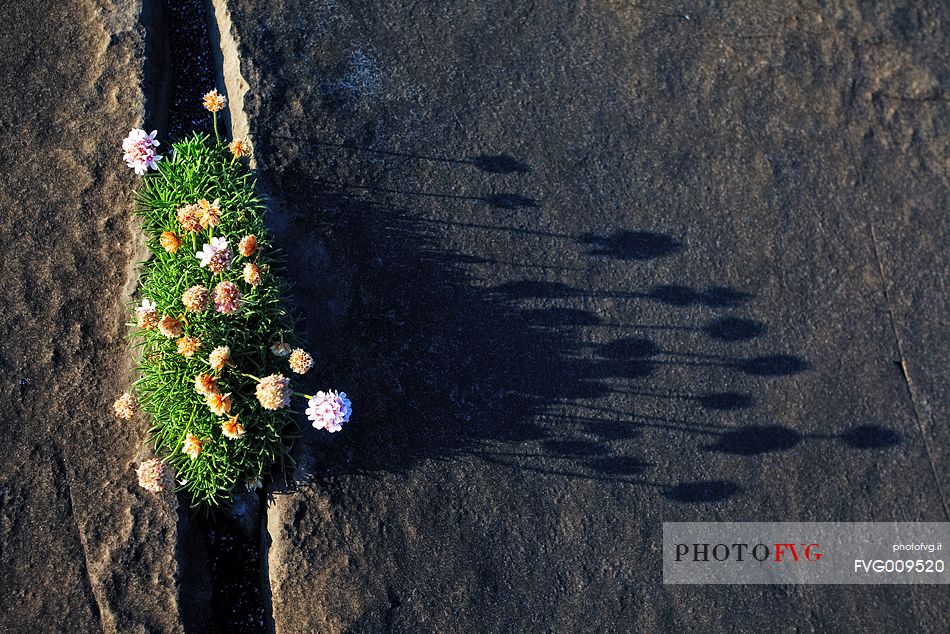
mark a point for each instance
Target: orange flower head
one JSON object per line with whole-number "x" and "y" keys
{"x": 195, "y": 299}
{"x": 191, "y": 446}
{"x": 252, "y": 274}
{"x": 146, "y": 315}
{"x": 170, "y": 242}
{"x": 188, "y": 346}
{"x": 274, "y": 392}
{"x": 125, "y": 406}
{"x": 170, "y": 327}
{"x": 189, "y": 218}
{"x": 300, "y": 361}
{"x": 220, "y": 357}
{"x": 214, "y": 102}
{"x": 209, "y": 214}
{"x": 206, "y": 384}
{"x": 239, "y": 148}
{"x": 248, "y": 246}
{"x": 219, "y": 404}
{"x": 232, "y": 429}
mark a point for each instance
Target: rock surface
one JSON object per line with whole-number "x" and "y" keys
{"x": 82, "y": 548}
{"x": 588, "y": 267}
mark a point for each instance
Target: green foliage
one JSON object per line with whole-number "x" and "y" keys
{"x": 200, "y": 167}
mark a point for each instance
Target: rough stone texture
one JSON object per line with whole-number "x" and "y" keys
{"x": 588, "y": 267}
{"x": 82, "y": 548}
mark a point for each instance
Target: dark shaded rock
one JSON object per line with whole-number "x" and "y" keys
{"x": 702, "y": 178}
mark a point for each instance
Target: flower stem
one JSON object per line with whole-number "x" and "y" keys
{"x": 214, "y": 123}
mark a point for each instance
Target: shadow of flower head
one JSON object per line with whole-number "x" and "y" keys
{"x": 631, "y": 245}
{"x": 756, "y": 439}
{"x": 499, "y": 164}
{"x": 702, "y": 491}
{"x": 871, "y": 437}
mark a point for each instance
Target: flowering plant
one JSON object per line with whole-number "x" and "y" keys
{"x": 216, "y": 338}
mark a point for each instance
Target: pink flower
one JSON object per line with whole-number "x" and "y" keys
{"x": 154, "y": 476}
{"x": 226, "y": 297}
{"x": 329, "y": 410}
{"x": 139, "y": 148}
{"x": 216, "y": 256}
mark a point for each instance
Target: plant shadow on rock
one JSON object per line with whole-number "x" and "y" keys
{"x": 440, "y": 366}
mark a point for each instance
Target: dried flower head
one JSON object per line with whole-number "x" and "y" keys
{"x": 252, "y": 274}
{"x": 232, "y": 429}
{"x": 195, "y": 299}
{"x": 188, "y": 346}
{"x": 239, "y": 148}
{"x": 209, "y": 214}
{"x": 214, "y": 102}
{"x": 126, "y": 406}
{"x": 170, "y": 327}
{"x": 280, "y": 349}
{"x": 146, "y": 314}
{"x": 219, "y": 403}
{"x": 273, "y": 392}
{"x": 155, "y": 476}
{"x": 170, "y": 242}
{"x": 139, "y": 148}
{"x": 220, "y": 357}
{"x": 189, "y": 218}
{"x": 300, "y": 361}
{"x": 191, "y": 446}
{"x": 329, "y": 410}
{"x": 216, "y": 256}
{"x": 206, "y": 384}
{"x": 227, "y": 297}
{"x": 248, "y": 246}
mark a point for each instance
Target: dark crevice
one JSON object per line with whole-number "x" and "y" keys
{"x": 220, "y": 579}
{"x": 192, "y": 67}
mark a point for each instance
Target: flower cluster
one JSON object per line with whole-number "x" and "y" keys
{"x": 329, "y": 410}
{"x": 125, "y": 406}
{"x": 214, "y": 102}
{"x": 210, "y": 329}
{"x": 216, "y": 255}
{"x": 195, "y": 299}
{"x": 169, "y": 242}
{"x": 139, "y": 148}
{"x": 300, "y": 361}
{"x": 155, "y": 476}
{"x": 273, "y": 392}
{"x": 188, "y": 218}
{"x": 227, "y": 297}
{"x": 239, "y": 148}
{"x": 146, "y": 315}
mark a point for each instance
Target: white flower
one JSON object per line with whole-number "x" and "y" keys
{"x": 138, "y": 136}
{"x": 216, "y": 256}
{"x": 329, "y": 410}
{"x": 139, "y": 148}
